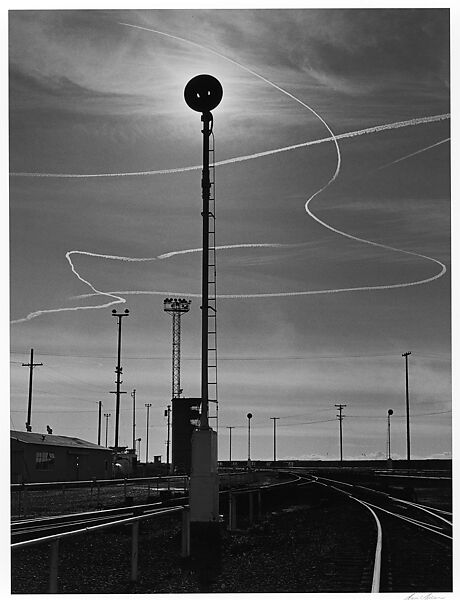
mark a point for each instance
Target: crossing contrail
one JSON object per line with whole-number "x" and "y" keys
{"x": 236, "y": 159}
{"x": 116, "y": 296}
{"x": 394, "y": 162}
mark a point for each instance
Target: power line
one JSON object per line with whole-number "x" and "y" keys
{"x": 71, "y": 378}
{"x": 306, "y": 423}
{"x": 243, "y": 358}
{"x": 442, "y": 412}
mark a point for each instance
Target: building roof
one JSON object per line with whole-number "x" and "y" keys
{"x": 46, "y": 439}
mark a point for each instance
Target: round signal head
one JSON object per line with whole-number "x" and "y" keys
{"x": 249, "y": 415}
{"x": 203, "y": 93}
{"x": 390, "y": 411}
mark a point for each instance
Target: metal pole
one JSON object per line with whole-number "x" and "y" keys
{"x": 134, "y": 550}
{"x": 99, "y": 423}
{"x": 341, "y": 449}
{"x": 31, "y": 366}
{"x": 340, "y": 417}
{"x": 249, "y": 416}
{"x": 274, "y": 419}
{"x": 54, "y": 567}
{"x": 205, "y": 188}
{"x": 390, "y": 412}
{"x": 106, "y": 415}
{"x": 406, "y": 355}
{"x": 168, "y": 441}
{"x": 185, "y": 550}
{"x": 118, "y": 371}
{"x": 230, "y": 442}
{"x": 133, "y": 396}
{"x": 147, "y": 406}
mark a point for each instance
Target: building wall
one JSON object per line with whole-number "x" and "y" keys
{"x": 70, "y": 464}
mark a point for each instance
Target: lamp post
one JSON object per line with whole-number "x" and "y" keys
{"x": 390, "y": 412}
{"x": 147, "y": 406}
{"x": 249, "y": 416}
{"x": 133, "y": 396}
{"x": 107, "y": 417}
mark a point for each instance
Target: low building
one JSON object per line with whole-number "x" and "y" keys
{"x": 40, "y": 457}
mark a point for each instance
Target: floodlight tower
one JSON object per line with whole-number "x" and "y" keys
{"x": 202, "y": 94}
{"x": 177, "y": 307}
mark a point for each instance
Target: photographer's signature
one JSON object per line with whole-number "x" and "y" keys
{"x": 428, "y": 596}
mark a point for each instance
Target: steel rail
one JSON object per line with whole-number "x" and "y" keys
{"x": 94, "y": 482}
{"x": 409, "y": 520}
{"x": 58, "y": 536}
{"x": 375, "y": 586}
{"x": 17, "y": 487}
{"x": 96, "y": 513}
{"x": 425, "y": 509}
{"x": 54, "y": 541}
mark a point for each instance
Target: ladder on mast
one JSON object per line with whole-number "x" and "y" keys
{"x": 212, "y": 292}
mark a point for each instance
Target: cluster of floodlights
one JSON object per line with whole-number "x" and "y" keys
{"x": 177, "y": 304}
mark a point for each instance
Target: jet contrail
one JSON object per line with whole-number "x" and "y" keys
{"x": 334, "y": 176}
{"x": 236, "y": 159}
{"x": 116, "y": 295}
{"x": 116, "y": 298}
{"x": 394, "y": 162}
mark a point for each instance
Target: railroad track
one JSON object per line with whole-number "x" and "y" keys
{"x": 396, "y": 545}
{"x": 40, "y": 527}
{"x": 413, "y": 545}
{"x": 30, "y": 529}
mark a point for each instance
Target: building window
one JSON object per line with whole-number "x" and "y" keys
{"x": 44, "y": 461}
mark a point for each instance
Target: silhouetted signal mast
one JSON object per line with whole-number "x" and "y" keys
{"x": 202, "y": 94}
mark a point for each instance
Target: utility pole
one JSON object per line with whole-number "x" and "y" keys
{"x": 340, "y": 417}
{"x": 31, "y": 366}
{"x": 147, "y": 406}
{"x": 99, "y": 424}
{"x": 133, "y": 396}
{"x": 118, "y": 371}
{"x": 107, "y": 417}
{"x": 274, "y": 419}
{"x": 406, "y": 355}
{"x": 168, "y": 414}
{"x": 230, "y": 440}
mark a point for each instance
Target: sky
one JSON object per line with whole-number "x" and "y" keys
{"x": 332, "y": 207}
